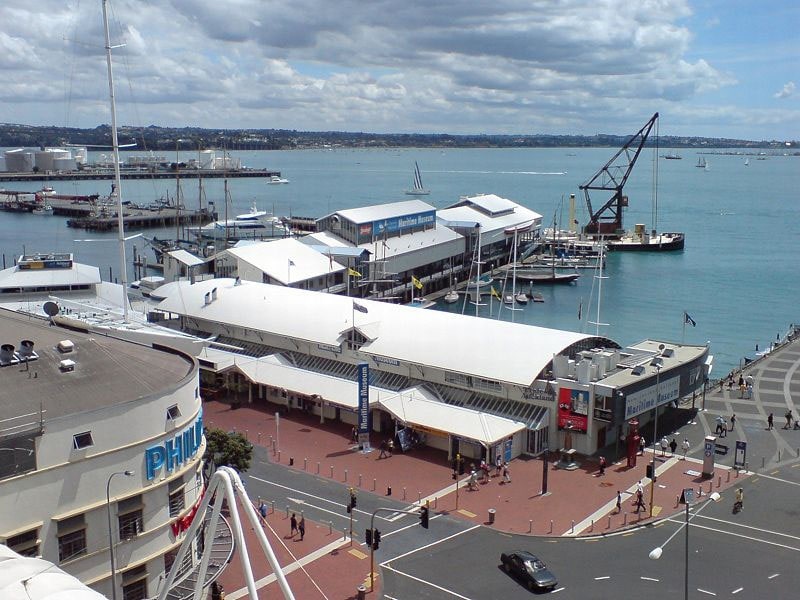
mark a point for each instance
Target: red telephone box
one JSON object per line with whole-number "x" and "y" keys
{"x": 632, "y": 442}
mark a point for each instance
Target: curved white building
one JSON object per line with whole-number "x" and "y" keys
{"x": 83, "y": 416}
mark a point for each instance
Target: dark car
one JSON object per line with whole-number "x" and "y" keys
{"x": 529, "y": 569}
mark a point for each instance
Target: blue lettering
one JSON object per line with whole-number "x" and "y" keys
{"x": 174, "y": 448}
{"x": 174, "y": 452}
{"x": 154, "y": 460}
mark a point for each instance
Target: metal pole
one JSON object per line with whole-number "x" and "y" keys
{"x": 545, "y": 456}
{"x": 655, "y": 440}
{"x": 110, "y": 532}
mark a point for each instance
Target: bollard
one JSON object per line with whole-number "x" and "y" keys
{"x": 699, "y": 491}
{"x": 279, "y": 456}
{"x": 551, "y": 525}
{"x": 271, "y": 442}
{"x": 344, "y": 533}
{"x": 330, "y": 527}
{"x": 719, "y": 480}
{"x": 737, "y": 474}
{"x": 404, "y": 493}
{"x": 530, "y": 525}
{"x": 359, "y": 480}
{"x": 798, "y": 453}
{"x": 374, "y": 484}
{"x": 245, "y": 435}
{"x": 291, "y": 461}
{"x": 625, "y": 520}
{"x": 331, "y": 471}
{"x": 710, "y": 486}
{"x": 591, "y": 527}
{"x": 729, "y": 477}
{"x": 746, "y": 469}
{"x": 273, "y": 506}
{"x": 573, "y": 527}
{"x": 419, "y": 497}
{"x": 763, "y": 461}
{"x": 317, "y": 468}
{"x": 287, "y": 510}
{"x": 779, "y": 456}
{"x": 388, "y": 490}
{"x": 345, "y": 474}
{"x": 609, "y": 522}
{"x": 677, "y": 500}
{"x": 435, "y": 502}
{"x": 305, "y": 464}
{"x": 259, "y": 438}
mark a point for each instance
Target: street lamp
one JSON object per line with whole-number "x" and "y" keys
{"x": 655, "y": 553}
{"x": 655, "y": 431}
{"x": 110, "y": 529}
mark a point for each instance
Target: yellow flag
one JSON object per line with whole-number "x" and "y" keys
{"x": 417, "y": 283}
{"x": 495, "y": 293}
{"x": 353, "y": 272}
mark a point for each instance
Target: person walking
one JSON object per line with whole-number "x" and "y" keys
{"x": 788, "y": 419}
{"x": 301, "y": 527}
{"x": 602, "y": 465}
{"x": 384, "y": 450}
{"x": 664, "y": 444}
{"x": 733, "y": 421}
{"x": 673, "y": 445}
{"x": 685, "y": 445}
{"x": 642, "y": 445}
{"x": 293, "y": 525}
{"x": 506, "y": 473}
{"x": 769, "y": 421}
{"x": 640, "y": 501}
{"x": 619, "y": 502}
{"x": 262, "y": 508}
{"x": 739, "y": 502}
{"x": 498, "y": 465}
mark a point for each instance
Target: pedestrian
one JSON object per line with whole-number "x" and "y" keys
{"x": 354, "y": 434}
{"x": 733, "y": 421}
{"x": 506, "y": 473}
{"x": 769, "y": 421}
{"x": 301, "y": 527}
{"x": 742, "y": 388}
{"x": 721, "y": 383}
{"x": 639, "y": 487}
{"x": 640, "y": 501}
{"x": 262, "y": 508}
{"x": 472, "y": 484}
{"x": 642, "y": 445}
{"x": 390, "y": 447}
{"x": 384, "y": 450}
{"x": 664, "y": 444}
{"x": 602, "y": 465}
{"x": 685, "y": 445}
{"x": 788, "y": 419}
{"x": 498, "y": 465}
{"x": 739, "y": 502}
{"x": 619, "y": 502}
{"x": 293, "y": 524}
{"x": 749, "y": 391}
{"x": 673, "y": 445}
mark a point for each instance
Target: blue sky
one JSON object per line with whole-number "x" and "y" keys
{"x": 710, "y": 67}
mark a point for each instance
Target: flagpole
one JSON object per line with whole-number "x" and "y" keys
{"x": 683, "y": 331}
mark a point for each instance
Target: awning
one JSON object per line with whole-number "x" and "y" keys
{"x": 413, "y": 408}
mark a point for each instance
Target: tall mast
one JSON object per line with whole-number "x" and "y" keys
{"x": 117, "y": 177}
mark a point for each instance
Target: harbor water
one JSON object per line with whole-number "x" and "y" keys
{"x": 737, "y": 278}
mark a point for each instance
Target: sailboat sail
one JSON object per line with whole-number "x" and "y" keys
{"x": 418, "y": 189}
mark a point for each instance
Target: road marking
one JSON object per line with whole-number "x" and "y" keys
{"x": 747, "y": 537}
{"x": 330, "y": 512}
{"x": 737, "y": 590}
{"x": 555, "y": 591}
{"x": 357, "y": 553}
{"x": 773, "y": 576}
{"x": 650, "y": 579}
{"x": 603, "y": 577}
{"x": 779, "y": 479}
{"x": 449, "y": 537}
{"x": 466, "y": 513}
{"x": 702, "y": 591}
{"x": 433, "y": 585}
{"x": 743, "y": 526}
{"x": 775, "y": 472}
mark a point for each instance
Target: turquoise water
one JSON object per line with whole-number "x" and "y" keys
{"x": 738, "y": 276}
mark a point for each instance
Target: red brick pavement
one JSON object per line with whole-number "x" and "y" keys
{"x": 578, "y": 496}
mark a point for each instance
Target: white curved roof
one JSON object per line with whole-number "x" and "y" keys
{"x": 24, "y": 578}
{"x": 488, "y": 348}
{"x": 78, "y": 274}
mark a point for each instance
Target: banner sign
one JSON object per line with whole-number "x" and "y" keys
{"x": 740, "y": 457}
{"x": 363, "y": 397}
{"x": 397, "y": 224}
{"x": 639, "y": 402}
{"x": 573, "y": 409}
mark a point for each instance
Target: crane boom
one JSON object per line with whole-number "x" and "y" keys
{"x": 611, "y": 178}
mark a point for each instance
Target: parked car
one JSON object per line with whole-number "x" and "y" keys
{"x": 529, "y": 569}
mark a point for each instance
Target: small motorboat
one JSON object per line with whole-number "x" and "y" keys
{"x": 522, "y": 298}
{"x": 276, "y": 180}
{"x": 451, "y": 297}
{"x": 537, "y": 297}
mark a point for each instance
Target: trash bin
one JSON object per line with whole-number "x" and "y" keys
{"x": 361, "y": 592}
{"x": 492, "y": 513}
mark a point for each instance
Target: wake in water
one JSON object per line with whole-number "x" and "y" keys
{"x": 507, "y": 172}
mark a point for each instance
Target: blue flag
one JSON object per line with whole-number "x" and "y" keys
{"x": 688, "y": 319}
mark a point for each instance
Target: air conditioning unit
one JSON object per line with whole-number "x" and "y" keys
{"x": 65, "y": 346}
{"x": 66, "y": 365}
{"x": 637, "y": 370}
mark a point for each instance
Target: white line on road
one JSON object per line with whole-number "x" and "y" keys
{"x": 737, "y": 590}
{"x": 773, "y": 576}
{"x": 433, "y": 585}
{"x": 300, "y": 502}
{"x": 740, "y": 535}
{"x": 449, "y": 537}
{"x": 702, "y": 591}
{"x": 650, "y": 579}
{"x": 743, "y": 526}
{"x": 603, "y": 577}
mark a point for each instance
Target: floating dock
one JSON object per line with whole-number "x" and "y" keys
{"x": 94, "y": 174}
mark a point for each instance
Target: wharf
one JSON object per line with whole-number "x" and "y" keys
{"x": 94, "y": 174}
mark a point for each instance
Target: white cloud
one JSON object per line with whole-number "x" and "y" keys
{"x": 509, "y": 66}
{"x": 786, "y": 91}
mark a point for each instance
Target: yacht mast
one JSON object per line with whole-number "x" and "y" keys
{"x": 117, "y": 177}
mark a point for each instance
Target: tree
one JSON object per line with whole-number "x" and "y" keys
{"x": 228, "y": 449}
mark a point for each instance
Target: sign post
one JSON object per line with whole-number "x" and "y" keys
{"x": 363, "y": 407}
{"x": 709, "y": 447}
{"x": 740, "y": 458}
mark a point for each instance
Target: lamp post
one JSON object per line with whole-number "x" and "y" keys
{"x": 655, "y": 435}
{"x": 110, "y": 530}
{"x": 655, "y": 553}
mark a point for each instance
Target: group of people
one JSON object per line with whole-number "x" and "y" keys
{"x": 483, "y": 473}
{"x": 387, "y": 448}
{"x": 722, "y": 425}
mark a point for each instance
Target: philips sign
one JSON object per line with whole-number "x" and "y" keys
{"x": 174, "y": 452}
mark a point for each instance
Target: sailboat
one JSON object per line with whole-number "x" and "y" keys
{"x": 746, "y": 162}
{"x": 418, "y": 189}
{"x": 701, "y": 162}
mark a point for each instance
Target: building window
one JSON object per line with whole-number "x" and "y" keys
{"x": 82, "y": 440}
{"x": 71, "y": 538}
{"x": 173, "y": 412}
{"x": 176, "y": 497}
{"x": 131, "y": 517}
{"x": 134, "y": 583}
{"x": 458, "y": 379}
{"x": 487, "y": 385}
{"x": 26, "y": 544}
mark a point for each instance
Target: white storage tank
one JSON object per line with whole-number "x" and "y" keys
{"x": 64, "y": 164}
{"x": 43, "y": 159}
{"x": 206, "y": 160}
{"x": 19, "y": 161}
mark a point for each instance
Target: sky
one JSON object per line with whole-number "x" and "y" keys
{"x": 711, "y": 68}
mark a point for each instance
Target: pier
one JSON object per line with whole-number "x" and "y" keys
{"x": 98, "y": 174}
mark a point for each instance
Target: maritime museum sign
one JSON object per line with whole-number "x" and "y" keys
{"x": 173, "y": 452}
